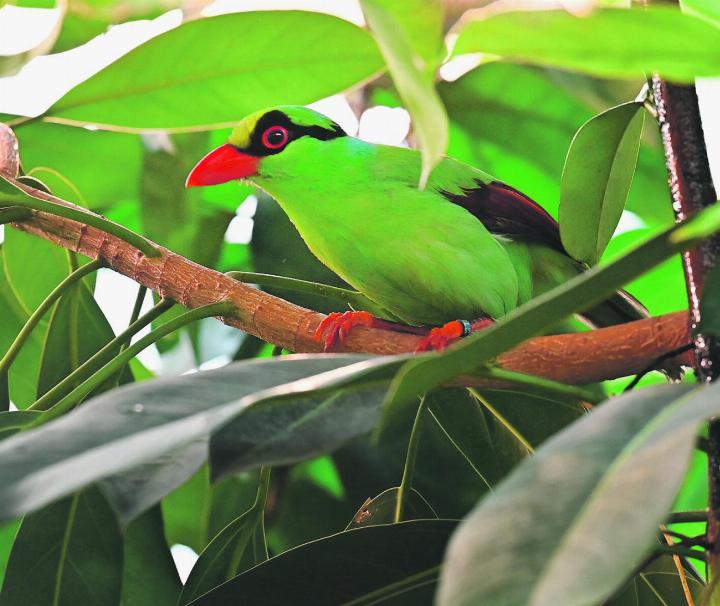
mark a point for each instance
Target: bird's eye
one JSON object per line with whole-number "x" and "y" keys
{"x": 275, "y": 137}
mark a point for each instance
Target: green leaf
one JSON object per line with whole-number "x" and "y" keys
{"x": 69, "y": 160}
{"x": 708, "y": 9}
{"x": 607, "y": 42}
{"x": 396, "y": 32}
{"x": 136, "y": 424}
{"x": 596, "y": 179}
{"x": 256, "y": 60}
{"x": 149, "y": 574}
{"x": 364, "y": 565}
{"x": 24, "y": 371}
{"x": 239, "y": 546}
{"x": 77, "y": 330}
{"x": 12, "y": 421}
{"x": 49, "y": 263}
{"x": 67, "y": 553}
{"x": 381, "y": 509}
{"x": 659, "y": 584}
{"x": 601, "y": 488}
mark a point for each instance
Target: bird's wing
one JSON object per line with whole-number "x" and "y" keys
{"x": 504, "y": 210}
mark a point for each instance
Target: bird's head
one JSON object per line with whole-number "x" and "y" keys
{"x": 258, "y": 137}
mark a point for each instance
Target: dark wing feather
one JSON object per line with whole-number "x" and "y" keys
{"x": 506, "y": 211}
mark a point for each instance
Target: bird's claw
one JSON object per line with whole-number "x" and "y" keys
{"x": 336, "y": 327}
{"x": 439, "y": 339}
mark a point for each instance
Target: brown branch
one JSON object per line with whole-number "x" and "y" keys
{"x": 572, "y": 358}
{"x": 692, "y": 189}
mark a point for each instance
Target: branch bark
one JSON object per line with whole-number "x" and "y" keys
{"x": 571, "y": 358}
{"x": 692, "y": 190}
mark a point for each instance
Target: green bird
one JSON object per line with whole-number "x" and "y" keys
{"x": 454, "y": 256}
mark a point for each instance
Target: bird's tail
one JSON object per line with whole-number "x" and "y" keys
{"x": 620, "y": 308}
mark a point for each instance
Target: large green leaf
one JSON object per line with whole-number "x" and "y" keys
{"x": 67, "y": 553}
{"x": 397, "y": 34}
{"x": 363, "y": 566}
{"x": 704, "y": 8}
{"x": 598, "y": 172}
{"x": 216, "y": 70}
{"x": 601, "y": 488}
{"x": 606, "y": 42}
{"x": 140, "y": 423}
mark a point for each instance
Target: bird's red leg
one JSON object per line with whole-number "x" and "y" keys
{"x": 442, "y": 337}
{"x": 337, "y": 326}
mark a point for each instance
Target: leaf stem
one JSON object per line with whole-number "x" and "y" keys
{"x": 222, "y": 308}
{"x": 11, "y": 214}
{"x": 679, "y": 550}
{"x": 92, "y": 364}
{"x": 410, "y": 458}
{"x": 352, "y": 298}
{"x": 41, "y": 310}
{"x": 24, "y": 200}
{"x": 680, "y": 517}
{"x": 540, "y": 385}
{"x": 258, "y": 511}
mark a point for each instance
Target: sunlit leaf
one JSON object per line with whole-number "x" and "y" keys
{"x": 598, "y": 172}
{"x": 606, "y": 42}
{"x": 411, "y": 73}
{"x": 381, "y": 509}
{"x": 281, "y": 57}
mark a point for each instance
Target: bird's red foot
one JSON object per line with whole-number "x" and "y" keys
{"x": 441, "y": 338}
{"x": 337, "y": 326}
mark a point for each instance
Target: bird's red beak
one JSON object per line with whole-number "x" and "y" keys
{"x": 221, "y": 165}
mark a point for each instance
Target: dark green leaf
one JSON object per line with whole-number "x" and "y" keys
{"x": 598, "y": 172}
{"x": 606, "y": 42}
{"x": 169, "y": 83}
{"x": 139, "y": 423}
{"x": 601, "y": 488}
{"x": 238, "y": 547}
{"x": 396, "y": 33}
{"x": 149, "y": 574}
{"x": 381, "y": 509}
{"x": 659, "y": 584}
{"x": 68, "y": 553}
{"x": 368, "y": 565}
{"x": 77, "y": 330}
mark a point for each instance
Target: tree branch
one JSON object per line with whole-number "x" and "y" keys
{"x": 571, "y": 358}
